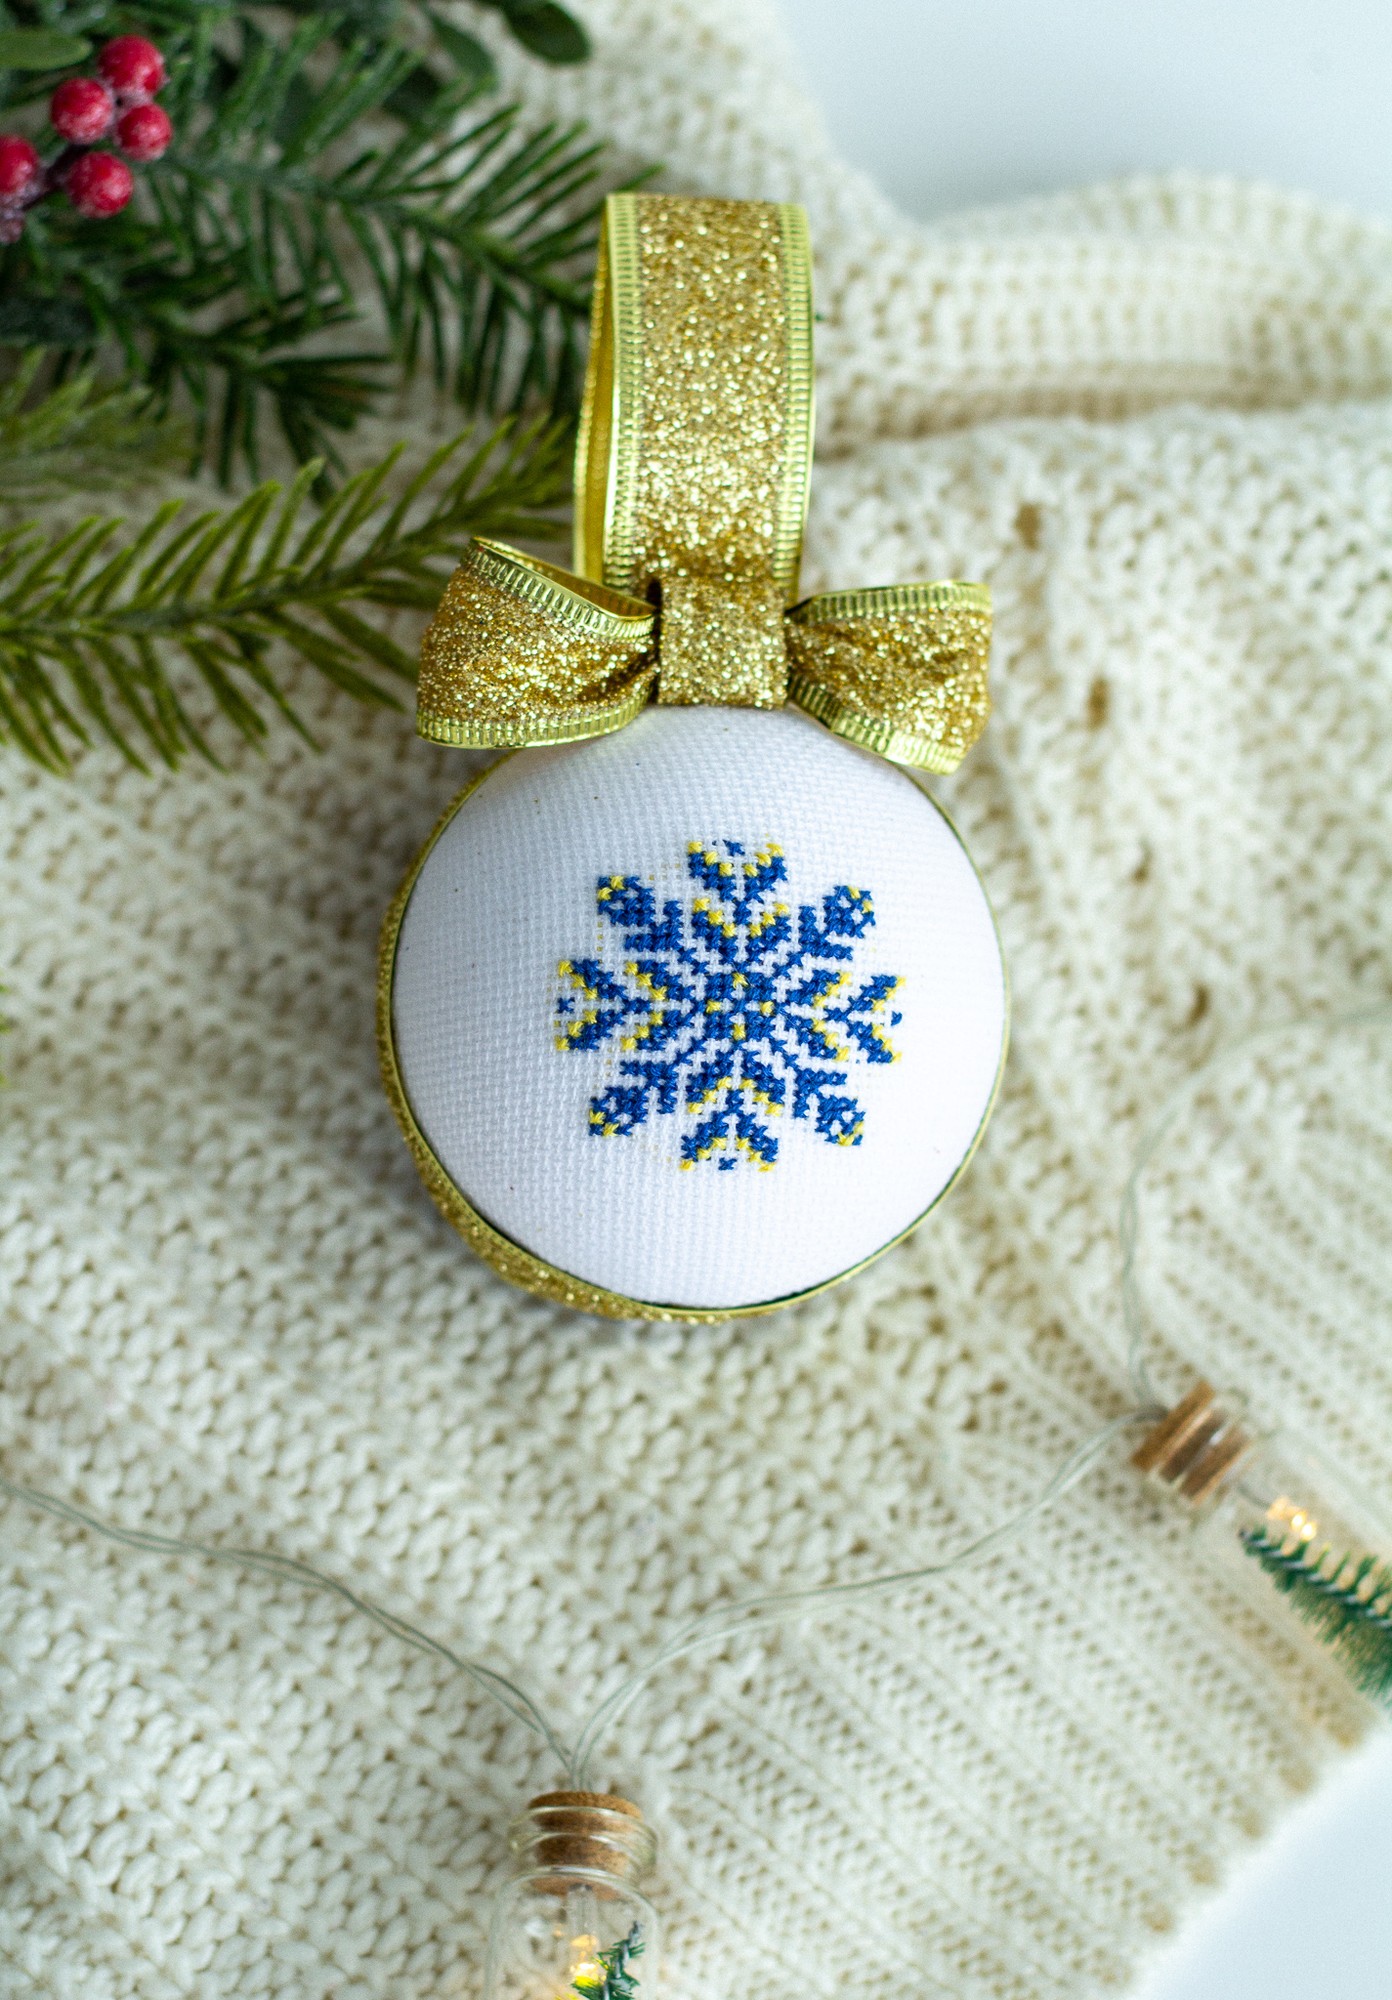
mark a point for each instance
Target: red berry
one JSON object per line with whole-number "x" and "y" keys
{"x": 133, "y": 67}
{"x": 19, "y": 165}
{"x": 144, "y": 132}
{"x": 81, "y": 110}
{"x": 99, "y": 185}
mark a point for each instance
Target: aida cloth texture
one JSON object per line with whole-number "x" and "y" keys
{"x": 611, "y": 1090}
{"x": 1155, "y": 419}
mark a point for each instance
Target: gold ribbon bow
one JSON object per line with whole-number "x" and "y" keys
{"x": 691, "y": 478}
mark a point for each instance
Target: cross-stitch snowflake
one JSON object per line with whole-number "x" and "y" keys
{"x": 729, "y": 1012}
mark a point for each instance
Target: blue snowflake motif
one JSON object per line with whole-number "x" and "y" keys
{"x": 732, "y": 1011}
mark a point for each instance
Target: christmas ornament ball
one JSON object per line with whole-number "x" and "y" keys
{"x": 692, "y": 1018}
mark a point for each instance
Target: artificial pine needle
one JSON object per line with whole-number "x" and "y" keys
{"x": 319, "y": 167}
{"x": 109, "y": 637}
{"x": 1345, "y": 1600}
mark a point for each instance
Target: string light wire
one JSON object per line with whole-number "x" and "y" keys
{"x": 514, "y": 1699}
{"x": 744, "y": 1614}
{"x": 785, "y": 1606}
{"x": 778, "y": 1607}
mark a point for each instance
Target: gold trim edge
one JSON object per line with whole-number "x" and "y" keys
{"x": 622, "y": 304}
{"x": 479, "y": 733}
{"x": 890, "y": 600}
{"x": 591, "y": 437}
{"x": 541, "y": 587}
{"x": 899, "y": 745}
{"x": 799, "y": 414}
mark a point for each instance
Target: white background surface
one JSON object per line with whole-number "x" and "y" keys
{"x": 969, "y": 101}
{"x": 952, "y": 102}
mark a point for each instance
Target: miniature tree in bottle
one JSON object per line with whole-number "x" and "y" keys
{"x": 573, "y": 1924}
{"x": 1297, "y": 1518}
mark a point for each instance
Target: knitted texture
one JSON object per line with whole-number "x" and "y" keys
{"x": 232, "y": 1313}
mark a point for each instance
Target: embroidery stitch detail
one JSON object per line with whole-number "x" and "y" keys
{"x": 730, "y": 1009}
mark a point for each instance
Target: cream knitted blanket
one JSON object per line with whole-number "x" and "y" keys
{"x": 1154, "y": 418}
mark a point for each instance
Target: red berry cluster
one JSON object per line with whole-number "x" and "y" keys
{"x": 83, "y": 110}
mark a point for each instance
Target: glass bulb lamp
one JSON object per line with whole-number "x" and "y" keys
{"x": 573, "y": 1924}
{"x": 1299, "y": 1519}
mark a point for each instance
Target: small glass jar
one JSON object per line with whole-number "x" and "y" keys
{"x": 1270, "y": 1503}
{"x": 573, "y": 1923}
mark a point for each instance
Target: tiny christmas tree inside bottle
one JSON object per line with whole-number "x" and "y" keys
{"x": 1320, "y": 1542}
{"x": 573, "y": 1924}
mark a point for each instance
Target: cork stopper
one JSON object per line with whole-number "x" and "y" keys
{"x": 598, "y": 1833}
{"x": 1194, "y": 1447}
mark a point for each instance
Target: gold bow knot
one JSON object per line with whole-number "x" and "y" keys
{"x": 691, "y": 480}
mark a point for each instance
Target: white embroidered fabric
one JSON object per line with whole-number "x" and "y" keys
{"x": 733, "y": 1073}
{"x": 1155, "y": 419}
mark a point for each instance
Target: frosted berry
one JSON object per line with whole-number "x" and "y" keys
{"x": 20, "y": 166}
{"x": 99, "y": 185}
{"x": 144, "y": 132}
{"x": 82, "y": 110}
{"x": 133, "y": 67}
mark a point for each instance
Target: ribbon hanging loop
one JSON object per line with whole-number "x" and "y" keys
{"x": 695, "y": 449}
{"x": 691, "y": 481}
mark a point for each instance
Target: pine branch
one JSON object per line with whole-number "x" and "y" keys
{"x": 1345, "y": 1600}
{"x": 614, "y": 1981}
{"x": 93, "y": 622}
{"x": 248, "y": 247}
{"x": 81, "y": 435}
{"x": 478, "y": 243}
{"x": 175, "y": 326}
{"x": 52, "y": 33}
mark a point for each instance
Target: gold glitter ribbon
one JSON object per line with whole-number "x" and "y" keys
{"x": 691, "y": 478}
